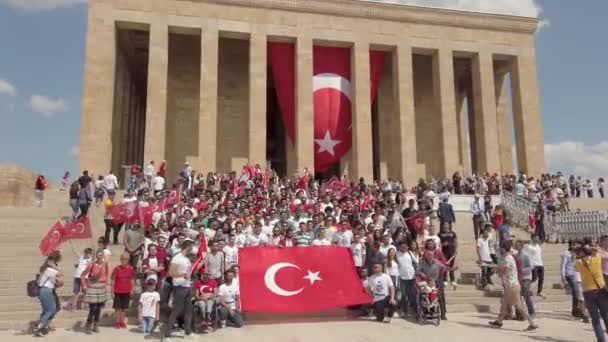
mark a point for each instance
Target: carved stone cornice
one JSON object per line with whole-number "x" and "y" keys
{"x": 392, "y": 12}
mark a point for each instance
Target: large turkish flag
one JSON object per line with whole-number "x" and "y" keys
{"x": 332, "y": 96}
{"x": 298, "y": 279}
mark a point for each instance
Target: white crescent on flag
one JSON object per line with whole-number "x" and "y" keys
{"x": 333, "y": 81}
{"x": 80, "y": 228}
{"x": 269, "y": 280}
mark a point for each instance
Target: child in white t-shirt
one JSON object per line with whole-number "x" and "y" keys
{"x": 149, "y": 307}
{"x": 83, "y": 261}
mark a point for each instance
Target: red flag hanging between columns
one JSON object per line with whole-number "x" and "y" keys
{"x": 332, "y": 96}
{"x": 53, "y": 239}
{"x": 78, "y": 229}
{"x": 298, "y": 279}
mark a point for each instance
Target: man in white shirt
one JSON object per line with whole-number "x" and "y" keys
{"x": 381, "y": 287}
{"x": 180, "y": 270}
{"x": 534, "y": 251}
{"x": 240, "y": 238}
{"x": 231, "y": 251}
{"x": 230, "y": 305}
{"x": 343, "y": 237}
{"x": 432, "y": 235}
{"x": 477, "y": 211}
{"x": 321, "y": 240}
{"x": 158, "y": 184}
{"x": 358, "y": 251}
{"x": 257, "y": 238}
{"x": 110, "y": 183}
{"x": 149, "y": 173}
{"x": 485, "y": 258}
{"x": 407, "y": 278}
{"x": 507, "y": 268}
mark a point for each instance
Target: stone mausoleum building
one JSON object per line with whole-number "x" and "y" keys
{"x": 189, "y": 80}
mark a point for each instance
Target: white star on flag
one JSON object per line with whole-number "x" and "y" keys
{"x": 326, "y": 144}
{"x": 313, "y": 276}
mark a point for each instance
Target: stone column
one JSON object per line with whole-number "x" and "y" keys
{"x": 461, "y": 115}
{"x": 118, "y": 113}
{"x": 403, "y": 88}
{"x": 207, "y": 129}
{"x": 304, "y": 125}
{"x": 156, "y": 107}
{"x": 132, "y": 121}
{"x": 486, "y": 137}
{"x": 362, "y": 151}
{"x": 443, "y": 82}
{"x": 526, "y": 107}
{"x": 503, "y": 125}
{"x": 257, "y": 99}
{"x": 97, "y": 99}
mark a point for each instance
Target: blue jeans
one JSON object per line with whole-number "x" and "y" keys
{"x": 527, "y": 295}
{"x": 596, "y": 302}
{"x": 147, "y": 325}
{"x": 235, "y": 318}
{"x": 409, "y": 295}
{"x": 49, "y": 306}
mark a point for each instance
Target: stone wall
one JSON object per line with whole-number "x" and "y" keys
{"x": 183, "y": 87}
{"x": 16, "y": 186}
{"x": 428, "y": 118}
{"x": 233, "y": 104}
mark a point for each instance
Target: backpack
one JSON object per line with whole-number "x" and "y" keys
{"x": 32, "y": 288}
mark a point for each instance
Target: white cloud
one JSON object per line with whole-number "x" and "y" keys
{"x": 524, "y": 8}
{"x": 7, "y": 88}
{"x": 577, "y": 158}
{"x": 74, "y": 151}
{"x": 47, "y": 106}
{"x": 41, "y": 5}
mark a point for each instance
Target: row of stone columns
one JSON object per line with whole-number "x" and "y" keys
{"x": 489, "y": 116}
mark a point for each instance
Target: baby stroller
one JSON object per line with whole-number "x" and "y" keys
{"x": 428, "y": 303}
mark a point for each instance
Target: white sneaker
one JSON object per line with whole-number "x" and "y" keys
{"x": 222, "y": 324}
{"x": 189, "y": 337}
{"x": 454, "y": 284}
{"x": 387, "y": 319}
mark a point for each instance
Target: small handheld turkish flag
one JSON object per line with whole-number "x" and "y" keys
{"x": 298, "y": 279}
{"x": 124, "y": 212}
{"x": 53, "y": 239}
{"x": 78, "y": 229}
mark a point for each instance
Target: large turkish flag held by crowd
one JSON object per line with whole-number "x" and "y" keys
{"x": 292, "y": 280}
{"x": 332, "y": 96}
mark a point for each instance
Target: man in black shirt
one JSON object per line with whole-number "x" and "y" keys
{"x": 407, "y": 213}
{"x": 84, "y": 180}
{"x": 449, "y": 245}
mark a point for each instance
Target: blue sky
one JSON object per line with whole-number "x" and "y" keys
{"x": 42, "y": 56}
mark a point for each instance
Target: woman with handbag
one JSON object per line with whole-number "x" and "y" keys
{"x": 595, "y": 293}
{"x": 49, "y": 278}
{"x": 93, "y": 281}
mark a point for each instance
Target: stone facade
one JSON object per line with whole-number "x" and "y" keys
{"x": 200, "y": 95}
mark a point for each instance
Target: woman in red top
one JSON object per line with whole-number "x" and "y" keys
{"x": 39, "y": 188}
{"x": 93, "y": 283}
{"x": 162, "y": 170}
{"x": 122, "y": 286}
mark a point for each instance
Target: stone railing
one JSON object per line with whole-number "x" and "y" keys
{"x": 559, "y": 226}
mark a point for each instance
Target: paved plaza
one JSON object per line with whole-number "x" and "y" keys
{"x": 554, "y": 327}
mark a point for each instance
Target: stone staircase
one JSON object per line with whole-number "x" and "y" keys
{"x": 22, "y": 228}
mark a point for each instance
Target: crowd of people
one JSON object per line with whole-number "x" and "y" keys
{"x": 184, "y": 262}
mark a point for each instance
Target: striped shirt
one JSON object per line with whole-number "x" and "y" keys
{"x": 302, "y": 239}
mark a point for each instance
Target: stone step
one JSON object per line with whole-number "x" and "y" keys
{"x": 22, "y": 320}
